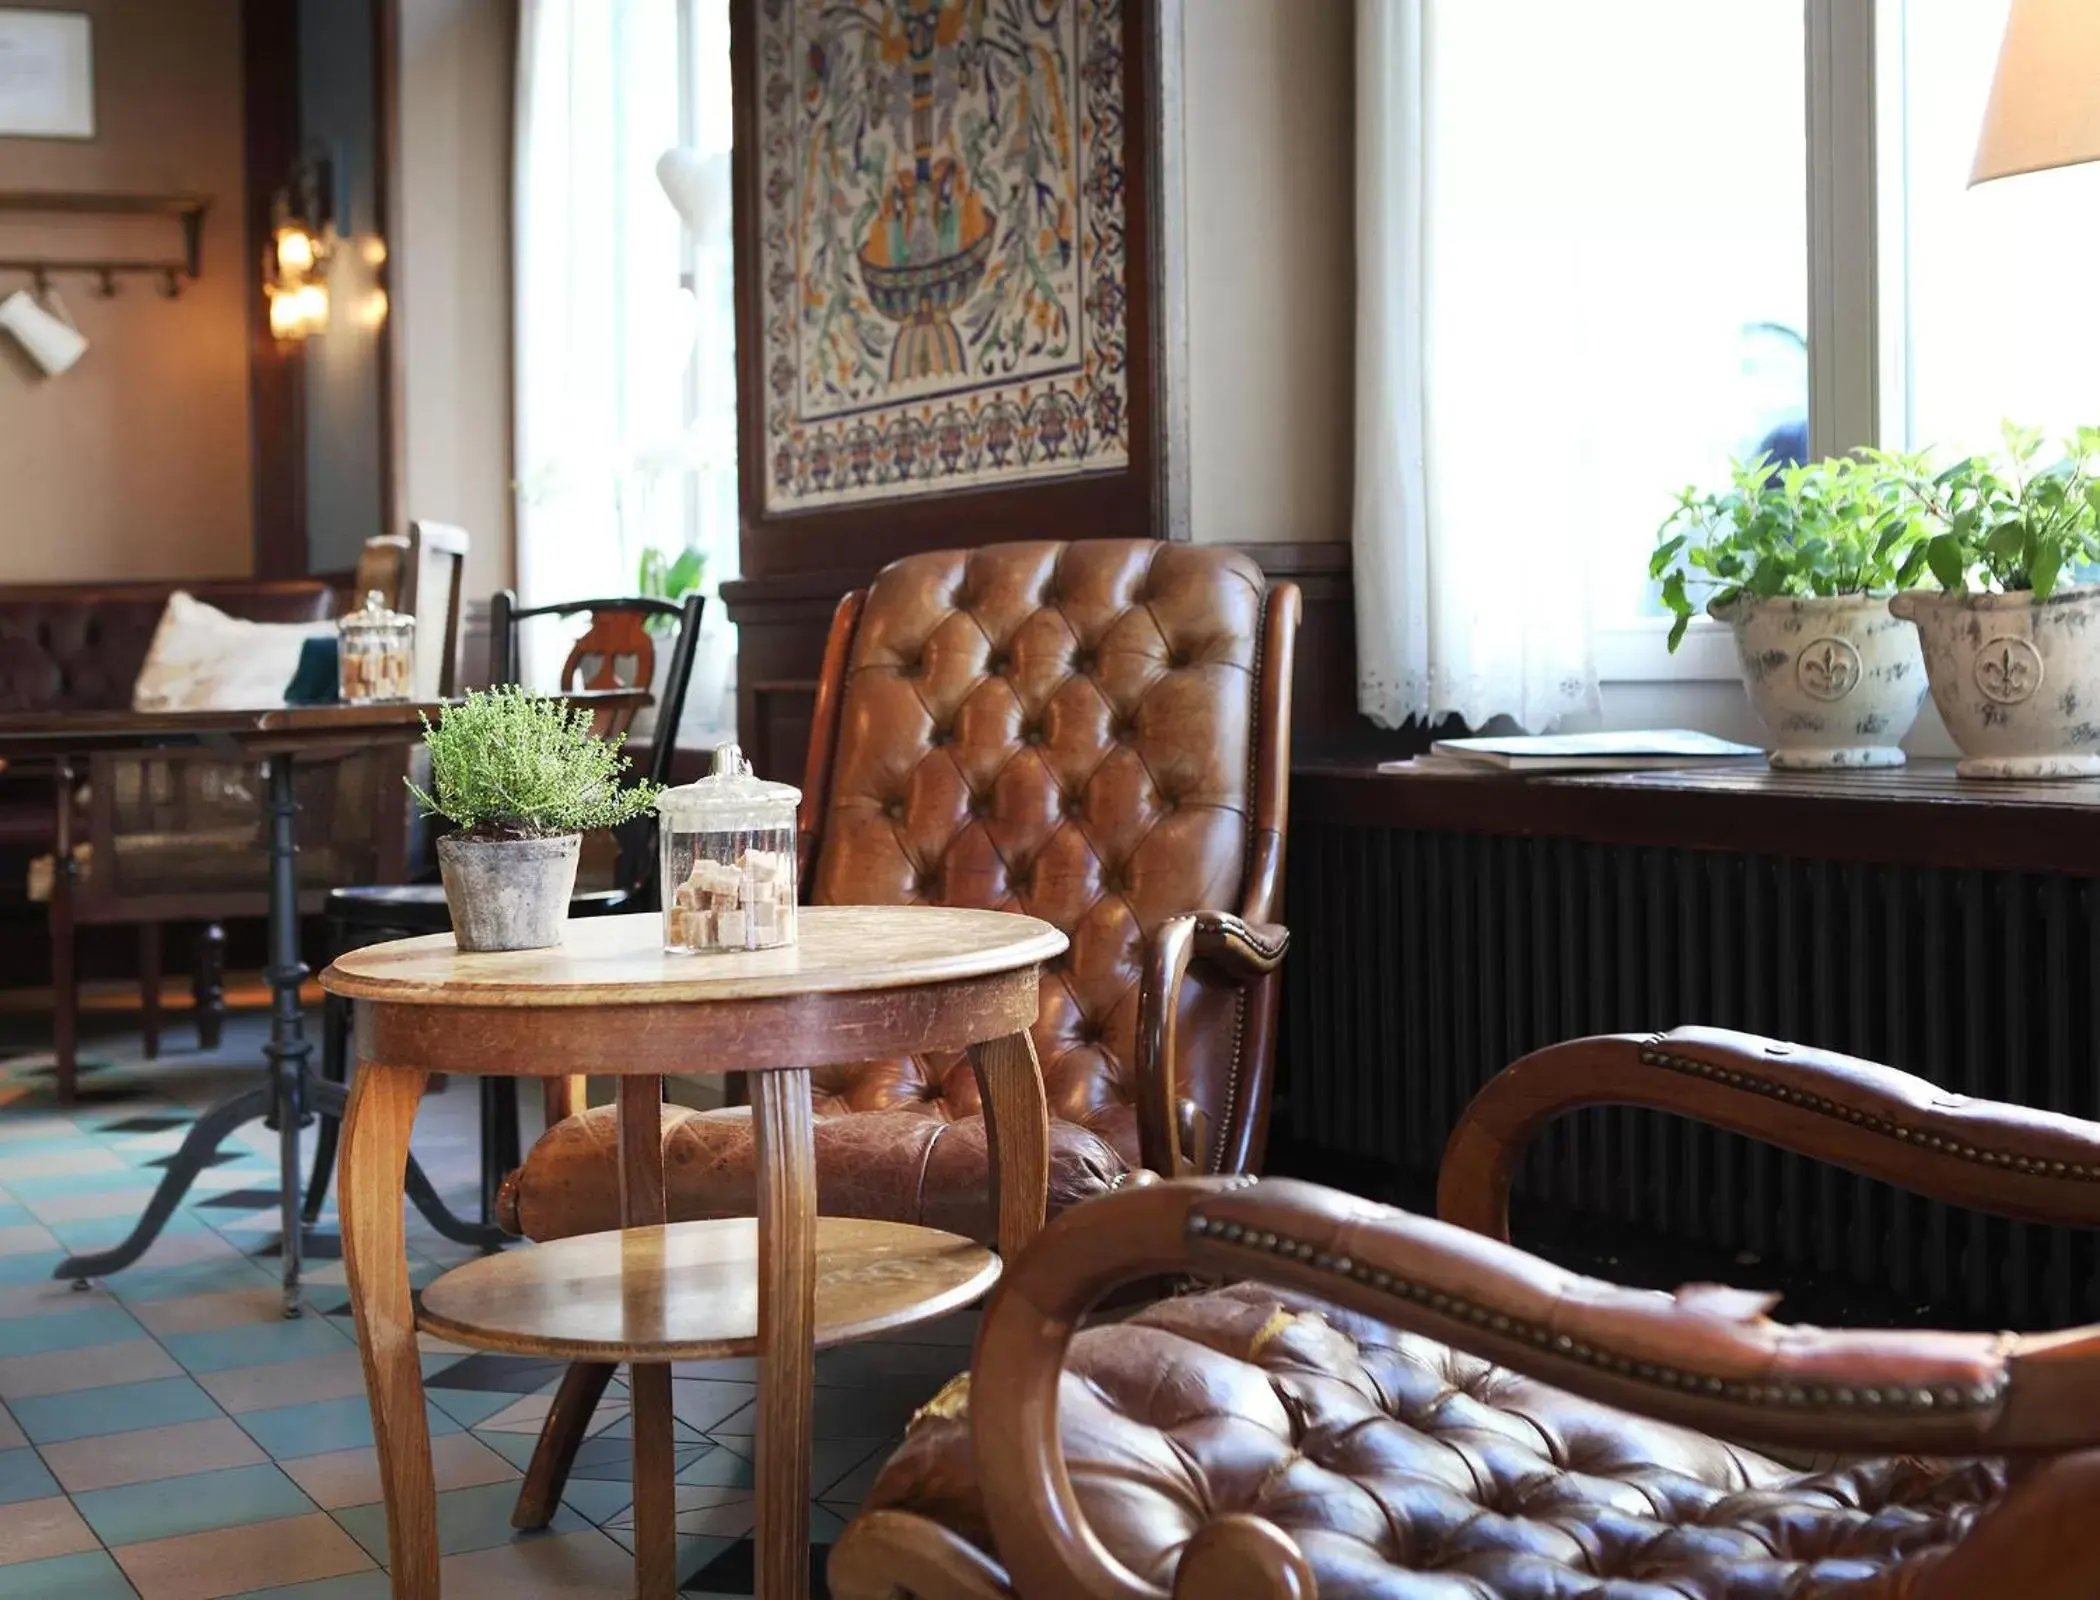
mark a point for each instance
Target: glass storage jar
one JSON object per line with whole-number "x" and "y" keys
{"x": 728, "y": 860}
{"x": 375, "y": 654}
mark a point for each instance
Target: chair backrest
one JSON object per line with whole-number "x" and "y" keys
{"x": 614, "y": 651}
{"x": 1091, "y": 733}
{"x": 421, "y": 572}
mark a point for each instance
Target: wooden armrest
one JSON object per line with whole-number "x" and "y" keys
{"x": 1867, "y": 1118}
{"x": 1705, "y": 1357}
{"x": 1244, "y": 952}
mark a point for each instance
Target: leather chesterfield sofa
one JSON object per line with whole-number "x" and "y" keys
{"x": 1395, "y": 1408}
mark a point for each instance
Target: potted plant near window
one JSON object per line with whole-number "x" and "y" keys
{"x": 521, "y": 776}
{"x": 1799, "y": 561}
{"x": 2011, "y": 647}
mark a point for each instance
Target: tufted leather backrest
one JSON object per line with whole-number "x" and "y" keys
{"x": 1067, "y": 730}
{"x": 79, "y": 647}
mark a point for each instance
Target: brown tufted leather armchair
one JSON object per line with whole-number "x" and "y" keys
{"x": 1417, "y": 1411}
{"x": 1097, "y": 734}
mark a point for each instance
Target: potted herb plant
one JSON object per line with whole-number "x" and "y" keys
{"x": 1799, "y": 561}
{"x": 521, "y": 776}
{"x": 2012, "y": 645}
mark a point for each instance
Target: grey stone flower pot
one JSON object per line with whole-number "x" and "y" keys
{"x": 508, "y": 894}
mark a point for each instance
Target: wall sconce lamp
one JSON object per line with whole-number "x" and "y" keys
{"x": 302, "y": 238}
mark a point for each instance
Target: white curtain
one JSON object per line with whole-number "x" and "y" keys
{"x": 623, "y": 355}
{"x": 1472, "y": 596}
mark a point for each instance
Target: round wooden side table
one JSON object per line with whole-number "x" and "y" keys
{"x": 862, "y": 983}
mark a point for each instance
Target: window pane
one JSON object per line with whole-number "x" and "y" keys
{"x": 1620, "y": 260}
{"x": 1995, "y": 282}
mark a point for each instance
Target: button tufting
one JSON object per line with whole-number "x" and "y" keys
{"x": 998, "y": 666}
{"x": 1074, "y": 804}
{"x": 940, "y": 737}
{"x": 1032, "y": 734}
{"x": 1083, "y": 660}
{"x": 894, "y": 810}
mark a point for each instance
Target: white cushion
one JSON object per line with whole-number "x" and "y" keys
{"x": 201, "y": 659}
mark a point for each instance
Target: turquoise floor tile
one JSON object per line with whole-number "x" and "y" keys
{"x": 470, "y": 1406}
{"x": 122, "y": 1408}
{"x": 143, "y": 1285}
{"x": 22, "y": 1477}
{"x": 31, "y": 1268}
{"x": 168, "y": 1507}
{"x": 14, "y": 1216}
{"x": 255, "y": 1344}
{"x": 719, "y": 1468}
{"x": 468, "y": 1519}
{"x": 290, "y": 1432}
{"x": 516, "y": 1448}
{"x": 68, "y": 1325}
{"x": 104, "y": 1233}
{"x": 599, "y": 1499}
{"x": 357, "y": 1586}
{"x": 91, "y": 1575}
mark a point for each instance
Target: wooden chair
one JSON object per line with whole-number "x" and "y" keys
{"x": 1097, "y": 734}
{"x": 1396, "y": 1406}
{"x": 615, "y": 651}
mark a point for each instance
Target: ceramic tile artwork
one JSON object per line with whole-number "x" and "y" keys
{"x": 167, "y": 1435}
{"x": 942, "y": 246}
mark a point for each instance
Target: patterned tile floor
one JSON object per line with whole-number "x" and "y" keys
{"x": 167, "y": 1435}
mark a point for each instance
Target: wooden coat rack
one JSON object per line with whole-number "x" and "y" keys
{"x": 187, "y": 209}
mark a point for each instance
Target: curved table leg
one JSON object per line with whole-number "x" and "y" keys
{"x": 1017, "y": 1128}
{"x": 199, "y": 1145}
{"x": 787, "y": 1326}
{"x": 375, "y": 1255}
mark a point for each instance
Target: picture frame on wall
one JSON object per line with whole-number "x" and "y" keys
{"x": 47, "y": 74}
{"x": 949, "y": 317}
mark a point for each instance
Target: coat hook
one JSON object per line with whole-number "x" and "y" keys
{"x": 40, "y": 280}
{"x": 170, "y": 286}
{"x": 108, "y": 288}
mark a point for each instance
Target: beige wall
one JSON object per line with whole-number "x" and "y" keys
{"x": 453, "y": 273}
{"x": 135, "y": 464}
{"x": 1268, "y": 100}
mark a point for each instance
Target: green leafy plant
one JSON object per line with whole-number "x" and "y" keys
{"x": 2012, "y": 523}
{"x": 663, "y": 578}
{"x": 1839, "y": 526}
{"x": 510, "y": 764}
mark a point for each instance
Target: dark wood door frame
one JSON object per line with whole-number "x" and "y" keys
{"x": 276, "y": 370}
{"x": 272, "y": 145}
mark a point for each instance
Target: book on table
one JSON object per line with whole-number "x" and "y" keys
{"x": 1649, "y": 749}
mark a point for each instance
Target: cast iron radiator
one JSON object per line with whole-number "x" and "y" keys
{"x": 1424, "y": 961}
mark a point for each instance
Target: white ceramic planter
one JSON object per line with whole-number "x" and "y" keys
{"x": 2017, "y": 681}
{"x": 1836, "y": 681}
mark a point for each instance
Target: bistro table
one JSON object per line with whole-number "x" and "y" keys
{"x": 862, "y": 982}
{"x": 289, "y": 1093}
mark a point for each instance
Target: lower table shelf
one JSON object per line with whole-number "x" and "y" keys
{"x": 689, "y": 1291}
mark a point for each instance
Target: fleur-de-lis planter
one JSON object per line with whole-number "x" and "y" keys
{"x": 2017, "y": 680}
{"x": 1836, "y": 681}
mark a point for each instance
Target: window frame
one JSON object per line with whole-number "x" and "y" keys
{"x": 1855, "y": 288}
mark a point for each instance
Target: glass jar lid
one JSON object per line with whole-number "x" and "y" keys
{"x": 373, "y": 617}
{"x": 730, "y": 796}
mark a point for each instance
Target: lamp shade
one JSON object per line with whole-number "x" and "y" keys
{"x": 2045, "y": 100}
